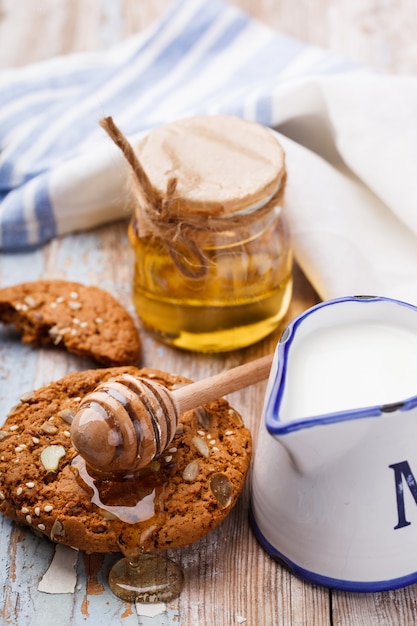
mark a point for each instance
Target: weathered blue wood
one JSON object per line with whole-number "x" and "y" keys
{"x": 24, "y": 565}
{"x": 24, "y": 556}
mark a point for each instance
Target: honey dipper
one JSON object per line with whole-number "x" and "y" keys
{"x": 128, "y": 421}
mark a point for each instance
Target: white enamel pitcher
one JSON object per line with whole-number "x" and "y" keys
{"x": 334, "y": 491}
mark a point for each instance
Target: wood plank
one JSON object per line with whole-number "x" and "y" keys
{"x": 228, "y": 576}
{"x": 379, "y": 34}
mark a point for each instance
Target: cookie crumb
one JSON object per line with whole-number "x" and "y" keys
{"x": 61, "y": 576}
{"x": 150, "y": 610}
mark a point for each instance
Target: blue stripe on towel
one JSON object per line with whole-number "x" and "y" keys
{"x": 49, "y": 113}
{"x": 79, "y": 124}
{"x": 44, "y": 211}
{"x": 13, "y": 227}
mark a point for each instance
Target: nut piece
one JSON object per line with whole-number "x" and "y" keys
{"x": 57, "y": 531}
{"x": 203, "y": 417}
{"x": 51, "y": 456}
{"x": 67, "y": 415}
{"x": 27, "y": 396}
{"x": 48, "y": 428}
{"x": 222, "y": 490}
{"x": 201, "y": 446}
{"x": 190, "y": 472}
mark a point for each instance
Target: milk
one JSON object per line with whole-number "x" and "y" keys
{"x": 349, "y": 366}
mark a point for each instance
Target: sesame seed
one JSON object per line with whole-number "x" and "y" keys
{"x": 28, "y": 519}
{"x": 19, "y": 490}
{"x": 35, "y": 439}
{"x": 13, "y": 428}
{"x": 74, "y": 305}
{"x": 48, "y": 508}
{"x": 30, "y": 485}
{"x": 37, "y": 510}
{"x": 75, "y": 320}
{"x": 67, "y": 433}
{"x": 212, "y": 442}
{"x": 30, "y": 301}
{"x": 53, "y": 305}
{"x": 215, "y": 449}
{"x": 229, "y": 432}
{"x": 41, "y": 526}
{"x": 168, "y": 459}
{"x": 24, "y": 307}
{"x": 59, "y": 299}
{"x": 83, "y": 324}
{"x": 172, "y": 450}
{"x": 2, "y": 496}
{"x": 20, "y": 448}
{"x": 55, "y": 334}
{"x": 73, "y": 331}
{"x": 24, "y": 510}
{"x": 77, "y": 399}
{"x": 201, "y": 433}
{"x": 74, "y": 295}
{"x": 99, "y": 320}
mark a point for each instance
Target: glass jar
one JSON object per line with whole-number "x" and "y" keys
{"x": 212, "y": 258}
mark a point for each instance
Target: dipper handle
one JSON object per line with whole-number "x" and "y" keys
{"x": 128, "y": 421}
{"x": 219, "y": 385}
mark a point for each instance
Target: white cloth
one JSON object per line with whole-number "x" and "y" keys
{"x": 350, "y": 136}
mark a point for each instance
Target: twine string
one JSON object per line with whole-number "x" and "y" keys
{"x": 178, "y": 230}
{"x": 159, "y": 209}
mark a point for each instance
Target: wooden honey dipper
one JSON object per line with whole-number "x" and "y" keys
{"x": 128, "y": 421}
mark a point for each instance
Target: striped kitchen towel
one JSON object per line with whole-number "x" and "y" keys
{"x": 60, "y": 173}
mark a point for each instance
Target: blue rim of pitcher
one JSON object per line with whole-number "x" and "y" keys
{"x": 274, "y": 425}
{"x": 356, "y": 586}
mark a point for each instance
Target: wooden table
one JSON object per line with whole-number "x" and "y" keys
{"x": 228, "y": 576}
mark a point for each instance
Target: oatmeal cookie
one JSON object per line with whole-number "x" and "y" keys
{"x": 85, "y": 320}
{"x": 175, "y": 500}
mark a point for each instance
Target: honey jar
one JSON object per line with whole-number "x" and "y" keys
{"x": 212, "y": 252}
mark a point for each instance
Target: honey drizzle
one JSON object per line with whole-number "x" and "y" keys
{"x": 131, "y": 499}
{"x": 139, "y": 576}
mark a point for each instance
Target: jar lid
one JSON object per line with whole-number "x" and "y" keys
{"x": 223, "y": 164}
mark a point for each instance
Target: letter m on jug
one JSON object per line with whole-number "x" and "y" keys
{"x": 403, "y": 474}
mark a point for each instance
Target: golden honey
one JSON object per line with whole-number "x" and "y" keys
{"x": 219, "y": 277}
{"x": 241, "y": 299}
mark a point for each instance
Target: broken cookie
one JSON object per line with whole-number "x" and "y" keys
{"x": 85, "y": 320}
